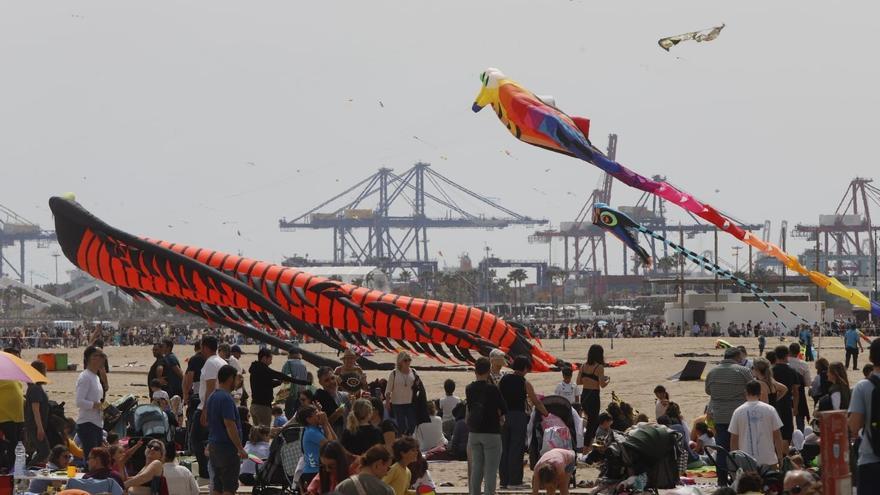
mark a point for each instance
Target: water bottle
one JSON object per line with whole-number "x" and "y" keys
{"x": 20, "y": 460}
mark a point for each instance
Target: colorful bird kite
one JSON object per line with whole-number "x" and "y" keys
{"x": 698, "y": 36}
{"x": 269, "y": 302}
{"x": 531, "y": 120}
{"x": 626, "y": 229}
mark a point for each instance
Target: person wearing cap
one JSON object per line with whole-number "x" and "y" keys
{"x": 350, "y": 367}
{"x": 726, "y": 387}
{"x": 263, "y": 382}
{"x": 497, "y": 361}
{"x": 852, "y": 345}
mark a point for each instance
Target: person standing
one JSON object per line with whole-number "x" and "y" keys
{"x": 294, "y": 368}
{"x": 207, "y": 384}
{"x": 89, "y": 401}
{"x": 592, "y": 378}
{"x": 224, "y": 438}
{"x": 852, "y": 345}
{"x": 399, "y": 393}
{"x": 190, "y": 386}
{"x": 263, "y": 382}
{"x": 786, "y": 404}
{"x": 803, "y": 371}
{"x": 172, "y": 375}
{"x": 514, "y": 390}
{"x": 839, "y": 394}
{"x": 36, "y": 418}
{"x": 860, "y": 418}
{"x": 485, "y": 408}
{"x": 755, "y": 428}
{"x": 155, "y": 369}
{"x": 726, "y": 387}
{"x": 762, "y": 343}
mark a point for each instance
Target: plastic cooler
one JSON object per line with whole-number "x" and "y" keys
{"x": 61, "y": 361}
{"x": 48, "y": 360}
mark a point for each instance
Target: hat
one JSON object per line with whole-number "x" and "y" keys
{"x": 349, "y": 353}
{"x": 160, "y": 394}
{"x": 235, "y": 349}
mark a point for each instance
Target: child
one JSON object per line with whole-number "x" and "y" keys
{"x": 258, "y": 445}
{"x": 567, "y": 389}
{"x": 278, "y": 417}
{"x": 705, "y": 437}
{"x": 160, "y": 398}
{"x": 661, "y": 400}
{"x": 399, "y": 477}
{"x": 553, "y": 470}
{"x": 447, "y": 404}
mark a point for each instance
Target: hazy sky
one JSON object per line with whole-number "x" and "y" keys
{"x": 151, "y": 111}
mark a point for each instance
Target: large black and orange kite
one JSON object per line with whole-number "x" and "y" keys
{"x": 269, "y": 302}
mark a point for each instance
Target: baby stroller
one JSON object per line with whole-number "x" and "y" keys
{"x": 558, "y": 406}
{"x": 275, "y": 475}
{"x": 148, "y": 422}
{"x": 652, "y": 450}
{"x": 739, "y": 460}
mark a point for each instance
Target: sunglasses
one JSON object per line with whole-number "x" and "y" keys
{"x": 795, "y": 490}
{"x": 154, "y": 447}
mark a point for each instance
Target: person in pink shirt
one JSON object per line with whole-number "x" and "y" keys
{"x": 553, "y": 470}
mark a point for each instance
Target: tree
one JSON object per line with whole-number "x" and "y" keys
{"x": 666, "y": 264}
{"x": 404, "y": 276}
{"x": 517, "y": 277}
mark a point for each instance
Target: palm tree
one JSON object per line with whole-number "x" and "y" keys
{"x": 404, "y": 276}
{"x": 666, "y": 264}
{"x": 517, "y": 277}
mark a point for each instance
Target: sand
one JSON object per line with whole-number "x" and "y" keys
{"x": 651, "y": 362}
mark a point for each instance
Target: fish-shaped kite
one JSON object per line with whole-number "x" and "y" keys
{"x": 698, "y": 36}
{"x": 533, "y": 121}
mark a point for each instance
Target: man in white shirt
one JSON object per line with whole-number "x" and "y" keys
{"x": 207, "y": 384}
{"x": 89, "y": 401}
{"x": 755, "y": 428}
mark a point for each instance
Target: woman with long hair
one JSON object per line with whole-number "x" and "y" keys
{"x": 592, "y": 378}
{"x": 770, "y": 388}
{"x": 360, "y": 434}
{"x": 819, "y": 387}
{"x": 335, "y": 467}
{"x": 661, "y": 400}
{"x": 149, "y": 480}
{"x": 839, "y": 392}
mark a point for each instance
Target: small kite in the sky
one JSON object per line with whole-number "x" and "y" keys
{"x": 698, "y": 36}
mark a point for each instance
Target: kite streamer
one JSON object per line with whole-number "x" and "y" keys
{"x": 533, "y": 121}
{"x": 622, "y": 226}
{"x": 268, "y": 302}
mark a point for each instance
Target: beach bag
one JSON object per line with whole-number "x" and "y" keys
{"x": 556, "y": 437}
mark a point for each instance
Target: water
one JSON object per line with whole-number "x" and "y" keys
{"x": 20, "y": 460}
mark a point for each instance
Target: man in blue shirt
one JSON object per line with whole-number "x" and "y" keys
{"x": 859, "y": 415}
{"x": 224, "y": 434}
{"x": 853, "y": 345}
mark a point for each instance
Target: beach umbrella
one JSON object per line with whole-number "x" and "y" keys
{"x": 13, "y": 368}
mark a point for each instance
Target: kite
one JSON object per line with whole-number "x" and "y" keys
{"x": 533, "y": 121}
{"x": 624, "y": 228}
{"x": 267, "y": 302}
{"x": 698, "y": 36}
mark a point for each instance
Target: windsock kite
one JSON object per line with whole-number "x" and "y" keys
{"x": 536, "y": 122}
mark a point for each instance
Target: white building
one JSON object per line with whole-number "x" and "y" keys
{"x": 739, "y": 308}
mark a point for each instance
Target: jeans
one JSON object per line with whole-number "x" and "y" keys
{"x": 590, "y": 404}
{"x": 722, "y": 439}
{"x": 513, "y": 445}
{"x": 854, "y": 352}
{"x": 11, "y": 434}
{"x": 485, "y": 456}
{"x": 198, "y": 435}
{"x": 869, "y": 476}
{"x": 405, "y": 417}
{"x": 91, "y": 436}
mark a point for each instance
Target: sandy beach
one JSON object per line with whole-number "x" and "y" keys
{"x": 650, "y": 362}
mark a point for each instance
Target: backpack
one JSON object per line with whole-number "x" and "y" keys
{"x": 872, "y": 424}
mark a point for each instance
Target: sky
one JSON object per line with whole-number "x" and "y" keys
{"x": 196, "y": 121}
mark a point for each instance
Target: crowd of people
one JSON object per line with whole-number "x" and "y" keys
{"x": 377, "y": 437}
